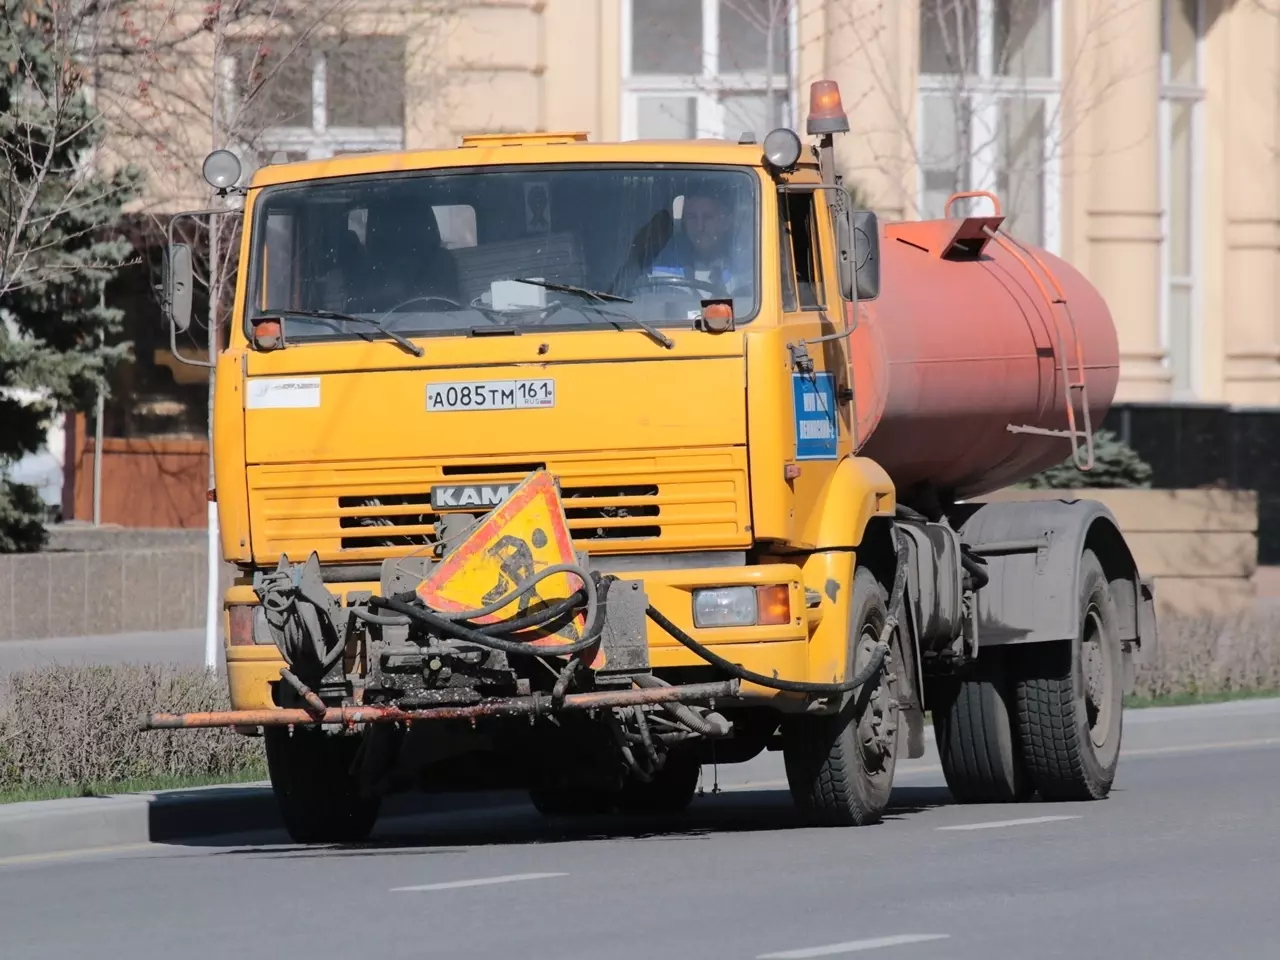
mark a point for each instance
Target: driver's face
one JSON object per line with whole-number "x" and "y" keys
{"x": 706, "y": 224}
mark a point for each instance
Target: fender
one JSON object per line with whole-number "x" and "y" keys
{"x": 858, "y": 490}
{"x": 1032, "y": 550}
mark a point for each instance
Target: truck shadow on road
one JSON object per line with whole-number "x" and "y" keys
{"x": 728, "y": 812}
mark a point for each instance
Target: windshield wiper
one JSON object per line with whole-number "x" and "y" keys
{"x": 409, "y": 345}
{"x": 596, "y": 295}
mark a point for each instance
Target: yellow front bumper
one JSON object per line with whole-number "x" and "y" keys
{"x": 811, "y": 647}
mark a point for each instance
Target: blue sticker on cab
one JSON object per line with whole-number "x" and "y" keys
{"x": 817, "y": 431}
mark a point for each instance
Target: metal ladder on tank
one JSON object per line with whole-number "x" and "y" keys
{"x": 1082, "y": 447}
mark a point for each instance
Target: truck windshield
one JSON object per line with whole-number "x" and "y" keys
{"x": 446, "y": 252}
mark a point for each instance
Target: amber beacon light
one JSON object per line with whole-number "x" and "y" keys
{"x": 826, "y": 112}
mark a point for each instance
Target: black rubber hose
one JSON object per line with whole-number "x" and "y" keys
{"x": 773, "y": 683}
{"x": 980, "y": 576}
{"x": 536, "y": 619}
{"x": 524, "y": 587}
{"x": 678, "y": 711}
{"x": 456, "y": 630}
{"x": 373, "y": 618}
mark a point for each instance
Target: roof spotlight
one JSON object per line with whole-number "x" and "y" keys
{"x": 782, "y": 149}
{"x": 221, "y": 169}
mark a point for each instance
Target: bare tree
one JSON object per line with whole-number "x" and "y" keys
{"x": 266, "y": 79}
{"x": 50, "y": 173}
{"x": 994, "y": 110}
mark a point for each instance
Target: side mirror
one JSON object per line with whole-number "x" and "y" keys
{"x": 865, "y": 229}
{"x": 178, "y": 286}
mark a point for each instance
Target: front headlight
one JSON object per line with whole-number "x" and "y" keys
{"x": 742, "y": 606}
{"x": 724, "y": 607}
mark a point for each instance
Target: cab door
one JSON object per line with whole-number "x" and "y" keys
{"x": 814, "y": 317}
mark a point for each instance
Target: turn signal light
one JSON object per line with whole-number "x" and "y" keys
{"x": 267, "y": 334}
{"x": 826, "y": 112}
{"x": 773, "y": 605}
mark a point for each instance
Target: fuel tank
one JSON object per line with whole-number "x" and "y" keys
{"x": 973, "y": 339}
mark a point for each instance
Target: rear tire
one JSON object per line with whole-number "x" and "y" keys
{"x": 976, "y": 732}
{"x": 318, "y": 796}
{"x": 1070, "y": 700}
{"x": 840, "y": 767}
{"x": 670, "y": 791}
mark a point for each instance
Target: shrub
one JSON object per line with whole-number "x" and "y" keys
{"x": 1213, "y": 655}
{"x": 1116, "y": 464}
{"x": 76, "y": 725}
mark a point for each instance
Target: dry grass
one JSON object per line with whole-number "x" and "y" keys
{"x": 78, "y": 725}
{"x": 1213, "y": 657}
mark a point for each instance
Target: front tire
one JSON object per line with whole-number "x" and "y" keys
{"x": 1070, "y": 700}
{"x": 318, "y": 795}
{"x": 570, "y": 802}
{"x": 670, "y": 791}
{"x": 840, "y": 767}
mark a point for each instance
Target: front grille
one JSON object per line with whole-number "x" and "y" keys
{"x": 372, "y": 521}
{"x": 366, "y": 512}
{"x": 368, "y": 518}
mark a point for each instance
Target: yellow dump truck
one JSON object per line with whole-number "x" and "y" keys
{"x": 552, "y": 465}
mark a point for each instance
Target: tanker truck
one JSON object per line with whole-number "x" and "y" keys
{"x": 572, "y": 467}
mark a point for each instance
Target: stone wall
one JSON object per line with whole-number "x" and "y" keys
{"x": 104, "y": 581}
{"x": 1200, "y": 546}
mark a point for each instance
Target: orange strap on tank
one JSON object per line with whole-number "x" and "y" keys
{"x": 1081, "y": 439}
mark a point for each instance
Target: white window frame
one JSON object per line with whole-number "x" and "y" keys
{"x": 984, "y": 91}
{"x": 708, "y": 86}
{"x": 318, "y": 141}
{"x": 1194, "y": 96}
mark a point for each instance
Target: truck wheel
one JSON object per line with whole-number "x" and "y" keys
{"x": 568, "y": 802}
{"x": 670, "y": 791}
{"x": 1070, "y": 700}
{"x": 840, "y": 767}
{"x": 318, "y": 796}
{"x": 974, "y": 725}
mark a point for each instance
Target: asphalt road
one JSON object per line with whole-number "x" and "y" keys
{"x": 1183, "y": 860}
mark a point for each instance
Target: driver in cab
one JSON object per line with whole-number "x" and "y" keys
{"x": 704, "y": 250}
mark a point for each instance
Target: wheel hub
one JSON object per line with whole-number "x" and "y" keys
{"x": 878, "y": 723}
{"x": 1097, "y": 678}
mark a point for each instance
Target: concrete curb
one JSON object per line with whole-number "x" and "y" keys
{"x": 44, "y": 827}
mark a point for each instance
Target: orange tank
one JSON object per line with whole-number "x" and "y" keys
{"x": 973, "y": 346}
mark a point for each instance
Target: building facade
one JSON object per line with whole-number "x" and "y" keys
{"x": 1136, "y": 138}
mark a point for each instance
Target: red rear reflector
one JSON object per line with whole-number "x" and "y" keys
{"x": 240, "y": 624}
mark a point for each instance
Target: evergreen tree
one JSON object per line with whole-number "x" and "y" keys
{"x": 1116, "y": 464}
{"x": 57, "y": 248}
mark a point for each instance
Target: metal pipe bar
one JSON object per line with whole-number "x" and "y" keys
{"x": 536, "y": 705}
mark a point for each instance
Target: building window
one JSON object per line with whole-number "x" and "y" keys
{"x": 706, "y": 68}
{"x": 315, "y": 100}
{"x": 988, "y": 110}
{"x": 1181, "y": 127}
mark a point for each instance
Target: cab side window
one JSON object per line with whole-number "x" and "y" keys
{"x": 802, "y": 281}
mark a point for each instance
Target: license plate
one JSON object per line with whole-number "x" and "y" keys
{"x": 491, "y": 395}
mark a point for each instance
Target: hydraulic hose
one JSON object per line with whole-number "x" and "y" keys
{"x": 520, "y": 590}
{"x": 869, "y": 669}
{"x": 460, "y": 624}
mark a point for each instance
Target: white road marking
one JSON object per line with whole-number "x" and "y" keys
{"x": 479, "y": 882}
{"x": 854, "y": 946}
{"x": 992, "y": 824}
